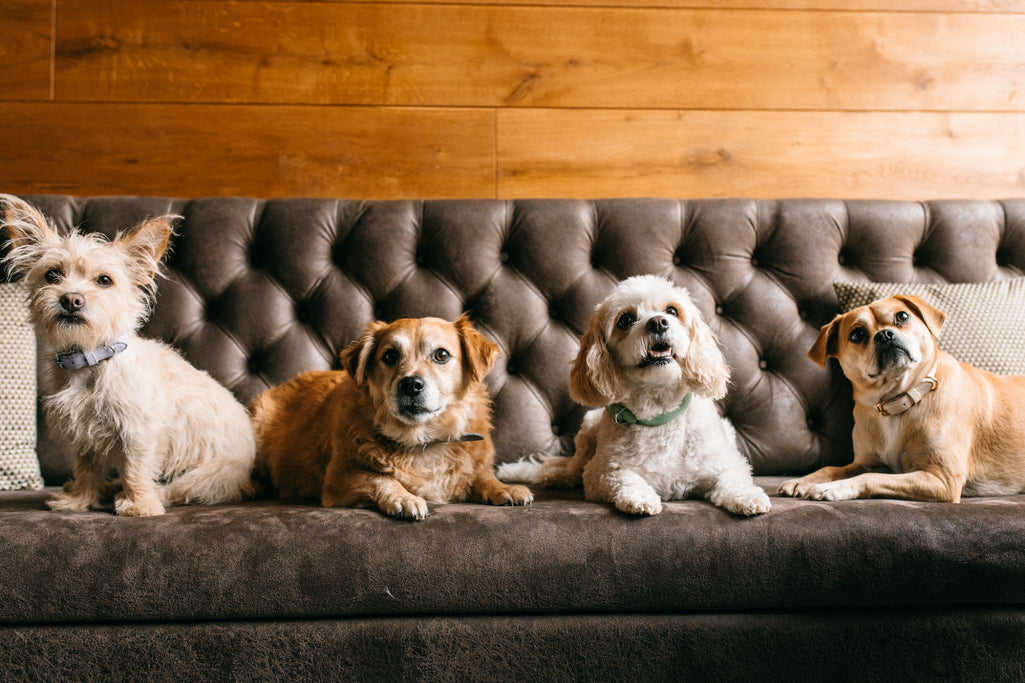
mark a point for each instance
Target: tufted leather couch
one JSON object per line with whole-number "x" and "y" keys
{"x": 258, "y": 291}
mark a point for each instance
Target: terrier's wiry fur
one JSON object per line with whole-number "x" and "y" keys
{"x": 171, "y": 432}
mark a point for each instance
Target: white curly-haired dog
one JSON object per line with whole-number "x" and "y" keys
{"x": 122, "y": 402}
{"x": 655, "y": 368}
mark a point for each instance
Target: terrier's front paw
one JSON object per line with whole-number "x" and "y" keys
{"x": 70, "y": 502}
{"x": 138, "y": 506}
{"x": 407, "y": 507}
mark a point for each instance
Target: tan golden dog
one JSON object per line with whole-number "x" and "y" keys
{"x": 406, "y": 424}
{"x": 926, "y": 426}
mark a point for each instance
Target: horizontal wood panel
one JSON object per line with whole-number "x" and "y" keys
{"x": 1005, "y": 6}
{"x": 201, "y": 150}
{"x": 509, "y": 56}
{"x": 562, "y": 153}
{"x": 25, "y": 49}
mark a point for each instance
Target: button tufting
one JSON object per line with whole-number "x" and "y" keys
{"x": 763, "y": 364}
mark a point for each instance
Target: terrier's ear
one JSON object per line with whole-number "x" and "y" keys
{"x": 147, "y": 243}
{"x": 25, "y": 229}
{"x": 357, "y": 357}
{"x": 479, "y": 352}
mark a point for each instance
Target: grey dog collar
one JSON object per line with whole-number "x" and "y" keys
{"x": 76, "y": 360}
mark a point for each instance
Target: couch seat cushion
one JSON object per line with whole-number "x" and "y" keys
{"x": 269, "y": 559}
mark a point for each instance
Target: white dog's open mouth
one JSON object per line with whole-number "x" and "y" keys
{"x": 660, "y": 353}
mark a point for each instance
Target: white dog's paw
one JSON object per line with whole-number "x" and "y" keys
{"x": 832, "y": 491}
{"x": 748, "y": 504}
{"x": 407, "y": 507}
{"x": 138, "y": 506}
{"x": 639, "y": 503}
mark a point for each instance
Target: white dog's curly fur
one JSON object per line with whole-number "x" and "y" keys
{"x": 172, "y": 433}
{"x": 646, "y": 349}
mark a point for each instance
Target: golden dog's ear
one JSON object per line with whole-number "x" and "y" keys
{"x": 479, "y": 352}
{"x": 356, "y": 356}
{"x": 827, "y": 344}
{"x": 932, "y": 317}
{"x": 704, "y": 365}
{"x": 592, "y": 379}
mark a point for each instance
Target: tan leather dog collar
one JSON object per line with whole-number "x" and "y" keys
{"x": 902, "y": 402}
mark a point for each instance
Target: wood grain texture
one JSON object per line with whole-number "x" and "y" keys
{"x": 287, "y": 151}
{"x": 561, "y": 153}
{"x": 25, "y": 49}
{"x": 1001, "y": 6}
{"x": 513, "y": 56}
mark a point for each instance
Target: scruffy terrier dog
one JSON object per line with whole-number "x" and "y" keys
{"x": 172, "y": 433}
{"x": 654, "y": 367}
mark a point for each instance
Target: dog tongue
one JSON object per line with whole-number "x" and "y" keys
{"x": 660, "y": 349}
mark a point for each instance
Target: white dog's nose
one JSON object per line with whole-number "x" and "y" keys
{"x": 657, "y": 325}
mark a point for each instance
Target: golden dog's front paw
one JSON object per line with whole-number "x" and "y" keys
{"x": 405, "y": 507}
{"x": 832, "y": 491}
{"x": 513, "y": 495}
{"x": 791, "y": 488}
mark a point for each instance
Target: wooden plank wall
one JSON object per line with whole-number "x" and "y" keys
{"x": 902, "y": 99}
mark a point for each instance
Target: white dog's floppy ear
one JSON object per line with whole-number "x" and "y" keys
{"x": 26, "y": 229}
{"x": 826, "y": 346}
{"x": 932, "y": 317}
{"x": 704, "y": 365}
{"x": 356, "y": 356}
{"x": 593, "y": 379}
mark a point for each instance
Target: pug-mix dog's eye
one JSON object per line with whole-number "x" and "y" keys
{"x": 901, "y": 317}
{"x": 858, "y": 335}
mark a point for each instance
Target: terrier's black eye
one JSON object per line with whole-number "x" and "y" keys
{"x": 671, "y": 310}
{"x": 104, "y": 281}
{"x": 902, "y": 317}
{"x": 626, "y": 321}
{"x": 441, "y": 356}
{"x": 858, "y": 335}
{"x": 390, "y": 357}
{"x": 54, "y": 276}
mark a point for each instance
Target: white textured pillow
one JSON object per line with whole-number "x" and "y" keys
{"x": 985, "y": 323}
{"x": 19, "y": 466}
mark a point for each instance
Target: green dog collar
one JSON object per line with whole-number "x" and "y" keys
{"x": 622, "y": 415}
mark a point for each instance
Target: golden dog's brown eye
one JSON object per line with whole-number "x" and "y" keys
{"x": 902, "y": 317}
{"x": 390, "y": 357}
{"x": 441, "y": 356}
{"x": 104, "y": 281}
{"x": 671, "y": 310}
{"x": 858, "y": 335}
{"x": 626, "y": 321}
{"x": 54, "y": 276}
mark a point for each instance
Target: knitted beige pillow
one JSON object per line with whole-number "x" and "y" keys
{"x": 19, "y": 466}
{"x": 985, "y": 323}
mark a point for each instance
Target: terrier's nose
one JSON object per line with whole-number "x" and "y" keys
{"x": 657, "y": 325}
{"x": 72, "y": 301}
{"x": 412, "y": 385}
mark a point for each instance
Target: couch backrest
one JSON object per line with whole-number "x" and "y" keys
{"x": 258, "y": 291}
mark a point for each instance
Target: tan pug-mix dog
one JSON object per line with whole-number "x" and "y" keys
{"x": 407, "y": 423}
{"x": 926, "y": 426}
